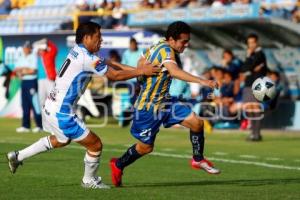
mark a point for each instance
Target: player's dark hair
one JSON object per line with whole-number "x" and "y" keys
{"x": 253, "y": 35}
{"x": 88, "y": 28}
{"x": 177, "y": 28}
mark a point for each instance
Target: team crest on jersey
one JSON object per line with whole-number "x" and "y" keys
{"x": 99, "y": 65}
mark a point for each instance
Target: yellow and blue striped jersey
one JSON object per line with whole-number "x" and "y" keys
{"x": 155, "y": 88}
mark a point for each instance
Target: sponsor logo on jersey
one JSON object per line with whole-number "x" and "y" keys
{"x": 73, "y": 53}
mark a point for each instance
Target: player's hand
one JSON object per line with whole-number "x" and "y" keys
{"x": 210, "y": 83}
{"x": 148, "y": 69}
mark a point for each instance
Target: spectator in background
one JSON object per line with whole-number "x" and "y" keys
{"x": 231, "y": 63}
{"x": 130, "y": 57}
{"x": 118, "y": 16}
{"x": 255, "y": 66}
{"x": 5, "y": 71}
{"x": 26, "y": 70}
{"x": 114, "y": 55}
{"x": 47, "y": 50}
{"x": 5, "y": 7}
{"x": 107, "y": 20}
{"x": 145, "y": 4}
{"x": 296, "y": 15}
{"x": 157, "y": 4}
{"x": 81, "y": 6}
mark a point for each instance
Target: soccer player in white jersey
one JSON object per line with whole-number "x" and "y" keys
{"x": 58, "y": 112}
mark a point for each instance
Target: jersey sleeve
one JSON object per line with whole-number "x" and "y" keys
{"x": 166, "y": 55}
{"x": 96, "y": 65}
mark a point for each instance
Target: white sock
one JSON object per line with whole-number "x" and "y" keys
{"x": 40, "y": 146}
{"x": 91, "y": 165}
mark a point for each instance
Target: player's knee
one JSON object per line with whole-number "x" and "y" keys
{"x": 144, "y": 149}
{"x": 98, "y": 145}
{"x": 198, "y": 125}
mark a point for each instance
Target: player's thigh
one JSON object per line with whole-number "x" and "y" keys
{"x": 92, "y": 142}
{"x": 193, "y": 122}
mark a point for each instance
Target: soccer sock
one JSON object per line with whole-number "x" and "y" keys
{"x": 197, "y": 140}
{"x": 39, "y": 146}
{"x": 255, "y": 125}
{"x": 91, "y": 165}
{"x": 129, "y": 157}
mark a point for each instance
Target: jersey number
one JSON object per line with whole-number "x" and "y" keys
{"x": 64, "y": 67}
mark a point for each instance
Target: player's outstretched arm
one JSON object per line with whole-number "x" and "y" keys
{"x": 146, "y": 69}
{"x": 178, "y": 73}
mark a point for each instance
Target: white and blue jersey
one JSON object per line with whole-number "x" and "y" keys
{"x": 59, "y": 110}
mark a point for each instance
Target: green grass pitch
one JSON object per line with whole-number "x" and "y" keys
{"x": 265, "y": 170}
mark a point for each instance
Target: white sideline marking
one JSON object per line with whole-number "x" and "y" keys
{"x": 220, "y": 153}
{"x": 167, "y": 149}
{"x": 248, "y": 156}
{"x": 245, "y": 162}
{"x": 274, "y": 159}
{"x": 261, "y": 164}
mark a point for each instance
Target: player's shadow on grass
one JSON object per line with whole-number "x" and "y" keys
{"x": 258, "y": 182}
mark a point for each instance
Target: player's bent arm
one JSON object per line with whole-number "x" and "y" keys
{"x": 178, "y": 73}
{"x": 120, "y": 75}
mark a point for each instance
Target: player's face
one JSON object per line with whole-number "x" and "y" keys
{"x": 93, "y": 42}
{"x": 183, "y": 42}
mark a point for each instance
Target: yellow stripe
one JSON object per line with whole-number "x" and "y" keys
{"x": 145, "y": 94}
{"x": 161, "y": 94}
{"x": 158, "y": 80}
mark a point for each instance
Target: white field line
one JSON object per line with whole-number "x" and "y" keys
{"x": 245, "y": 162}
{"x": 169, "y": 155}
{"x": 274, "y": 159}
{"x": 220, "y": 153}
{"x": 248, "y": 156}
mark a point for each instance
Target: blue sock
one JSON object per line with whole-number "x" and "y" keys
{"x": 197, "y": 140}
{"x": 129, "y": 157}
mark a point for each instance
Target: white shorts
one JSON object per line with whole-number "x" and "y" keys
{"x": 65, "y": 127}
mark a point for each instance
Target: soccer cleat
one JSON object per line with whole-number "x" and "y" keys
{"x": 13, "y": 162}
{"x": 205, "y": 165}
{"x": 22, "y": 130}
{"x": 116, "y": 173}
{"x": 95, "y": 183}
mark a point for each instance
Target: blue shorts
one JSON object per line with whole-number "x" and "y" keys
{"x": 146, "y": 124}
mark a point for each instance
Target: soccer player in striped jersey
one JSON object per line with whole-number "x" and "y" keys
{"x": 58, "y": 113}
{"x": 154, "y": 106}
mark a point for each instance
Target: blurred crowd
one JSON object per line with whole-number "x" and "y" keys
{"x": 115, "y": 11}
